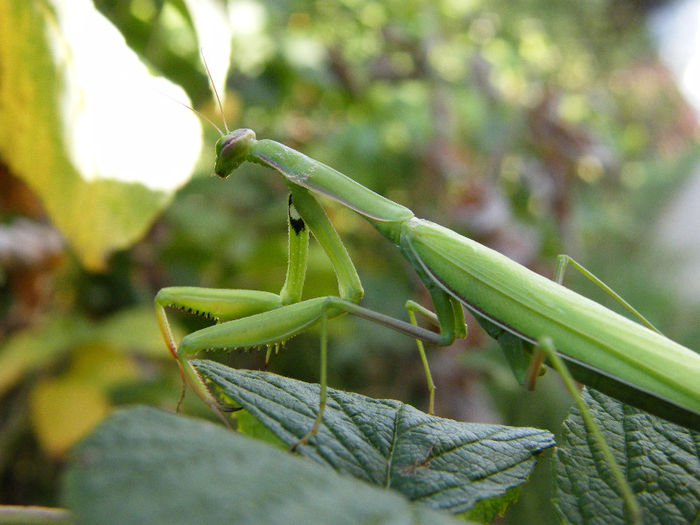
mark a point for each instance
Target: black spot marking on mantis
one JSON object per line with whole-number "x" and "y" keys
{"x": 295, "y": 220}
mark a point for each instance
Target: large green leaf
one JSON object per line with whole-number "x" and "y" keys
{"x": 147, "y": 466}
{"x": 660, "y": 460}
{"x": 87, "y": 127}
{"x": 449, "y": 465}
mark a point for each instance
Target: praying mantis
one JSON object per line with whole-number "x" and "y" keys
{"x": 529, "y": 315}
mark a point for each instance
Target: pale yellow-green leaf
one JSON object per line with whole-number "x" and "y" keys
{"x": 129, "y": 332}
{"x": 85, "y": 124}
{"x": 66, "y": 407}
{"x": 102, "y": 364}
{"x": 39, "y": 347}
{"x": 136, "y": 331}
{"x": 63, "y": 410}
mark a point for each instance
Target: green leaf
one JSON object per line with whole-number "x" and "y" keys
{"x": 38, "y": 347}
{"x": 147, "y": 466}
{"x": 442, "y": 463}
{"x": 660, "y": 460}
{"x": 89, "y": 131}
{"x": 135, "y": 329}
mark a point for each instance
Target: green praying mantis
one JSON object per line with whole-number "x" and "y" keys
{"x": 529, "y": 315}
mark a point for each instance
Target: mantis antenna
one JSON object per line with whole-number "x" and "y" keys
{"x": 198, "y": 113}
{"x": 216, "y": 93}
{"x": 201, "y": 115}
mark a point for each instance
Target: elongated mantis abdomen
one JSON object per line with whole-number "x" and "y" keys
{"x": 604, "y": 349}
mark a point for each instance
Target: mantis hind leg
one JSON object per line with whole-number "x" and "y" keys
{"x": 563, "y": 261}
{"x": 545, "y": 346}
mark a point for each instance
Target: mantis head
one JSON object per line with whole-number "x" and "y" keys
{"x": 232, "y": 149}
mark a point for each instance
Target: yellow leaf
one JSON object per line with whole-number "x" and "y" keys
{"x": 87, "y": 127}
{"x": 63, "y": 411}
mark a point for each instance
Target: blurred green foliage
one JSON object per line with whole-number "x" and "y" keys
{"x": 535, "y": 127}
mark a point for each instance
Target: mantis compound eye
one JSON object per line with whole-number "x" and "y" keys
{"x": 232, "y": 149}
